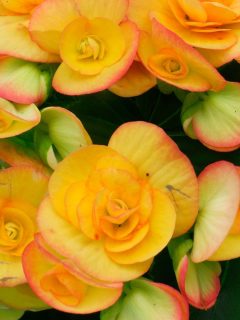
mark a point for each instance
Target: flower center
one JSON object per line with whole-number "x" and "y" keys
{"x": 168, "y": 64}
{"x": 12, "y": 230}
{"x": 171, "y": 66}
{"x": 91, "y": 47}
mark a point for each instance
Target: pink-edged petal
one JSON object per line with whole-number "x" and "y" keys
{"x": 17, "y": 118}
{"x": 88, "y": 255}
{"x": 71, "y": 82}
{"x": 92, "y": 299}
{"x": 135, "y": 82}
{"x": 70, "y": 266}
{"x": 217, "y": 122}
{"x": 176, "y": 294}
{"x": 219, "y": 200}
{"x": 148, "y": 300}
{"x": 172, "y": 60}
{"x": 46, "y": 30}
{"x": 199, "y": 282}
{"x": 15, "y": 40}
{"x": 114, "y": 10}
{"x": 213, "y": 40}
{"x": 22, "y": 81}
{"x": 159, "y": 160}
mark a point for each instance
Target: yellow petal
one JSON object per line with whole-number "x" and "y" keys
{"x": 17, "y": 118}
{"x": 159, "y": 160}
{"x": 49, "y": 20}
{"x": 88, "y": 255}
{"x": 161, "y": 228}
{"x": 114, "y": 10}
{"x": 15, "y": 41}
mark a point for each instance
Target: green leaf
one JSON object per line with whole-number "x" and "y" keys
{"x": 9, "y": 314}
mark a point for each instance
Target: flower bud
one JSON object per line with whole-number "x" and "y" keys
{"x": 143, "y": 299}
{"x": 59, "y": 133}
{"x": 198, "y": 282}
{"x": 214, "y": 117}
{"x": 23, "y": 81}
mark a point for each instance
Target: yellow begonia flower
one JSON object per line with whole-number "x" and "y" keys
{"x": 94, "y": 40}
{"x": 217, "y": 232}
{"x": 17, "y": 118}
{"x": 59, "y": 133}
{"x": 111, "y": 209}
{"x": 172, "y": 60}
{"x": 210, "y": 26}
{"x": 21, "y": 190}
{"x": 63, "y": 288}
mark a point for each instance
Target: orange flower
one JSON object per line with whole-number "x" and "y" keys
{"x": 112, "y": 209}
{"x": 210, "y": 26}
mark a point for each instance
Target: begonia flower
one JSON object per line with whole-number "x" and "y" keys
{"x": 94, "y": 41}
{"x": 17, "y": 118}
{"x": 172, "y": 60}
{"x": 24, "y": 82}
{"x": 199, "y": 283}
{"x": 115, "y": 207}
{"x": 143, "y": 299}
{"x": 217, "y": 232}
{"x": 64, "y": 288}
{"x": 59, "y": 133}
{"x": 214, "y": 117}
{"x": 21, "y": 190}
{"x": 210, "y": 26}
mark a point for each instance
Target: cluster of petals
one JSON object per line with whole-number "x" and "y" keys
{"x": 23, "y": 184}
{"x": 114, "y": 44}
{"x": 216, "y": 235}
{"x": 213, "y": 27}
{"x": 109, "y": 211}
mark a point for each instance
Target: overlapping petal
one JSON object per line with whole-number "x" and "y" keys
{"x": 63, "y": 290}
{"x": 161, "y": 162}
{"x": 219, "y": 202}
{"x": 17, "y": 118}
{"x": 214, "y": 118}
{"x": 23, "y": 82}
{"x": 59, "y": 133}
{"x": 144, "y": 299}
{"x": 170, "y": 59}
